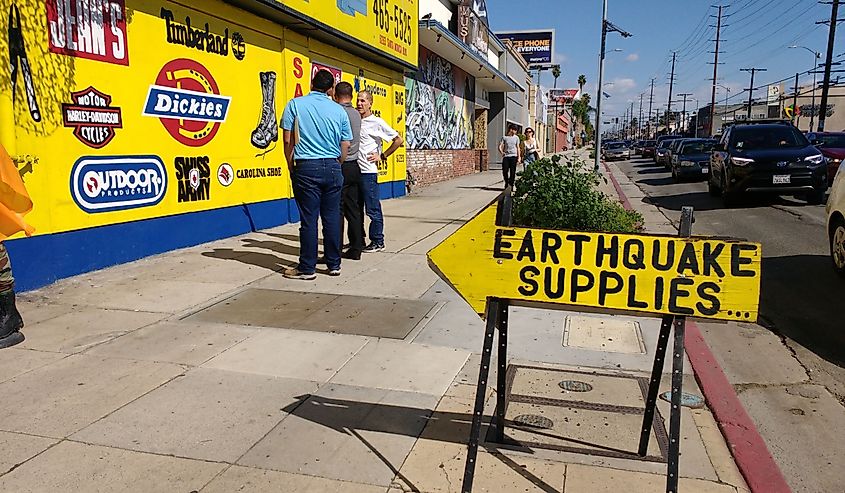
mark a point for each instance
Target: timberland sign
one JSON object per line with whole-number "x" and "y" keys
{"x": 698, "y": 277}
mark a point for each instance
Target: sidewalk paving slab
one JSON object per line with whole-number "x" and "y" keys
{"x": 83, "y": 328}
{"x": 182, "y": 343}
{"x": 353, "y": 434}
{"x": 68, "y": 395}
{"x": 395, "y": 365}
{"x": 18, "y": 448}
{"x": 313, "y": 356}
{"x": 249, "y": 480}
{"x": 72, "y": 466}
{"x": 209, "y": 414}
{"x": 16, "y": 361}
{"x": 589, "y": 479}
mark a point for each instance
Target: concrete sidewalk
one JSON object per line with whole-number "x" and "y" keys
{"x": 204, "y": 370}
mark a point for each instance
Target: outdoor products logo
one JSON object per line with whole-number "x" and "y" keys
{"x": 225, "y": 174}
{"x": 91, "y": 117}
{"x": 194, "y": 175}
{"x": 186, "y": 99}
{"x": 111, "y": 183}
{"x": 93, "y": 29}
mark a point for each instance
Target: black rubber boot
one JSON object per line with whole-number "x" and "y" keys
{"x": 10, "y": 321}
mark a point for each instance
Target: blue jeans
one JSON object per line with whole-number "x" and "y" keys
{"x": 316, "y": 188}
{"x": 372, "y": 205}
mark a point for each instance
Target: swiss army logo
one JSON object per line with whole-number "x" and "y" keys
{"x": 92, "y": 117}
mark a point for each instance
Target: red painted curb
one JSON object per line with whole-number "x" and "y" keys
{"x": 752, "y": 457}
{"x": 748, "y": 448}
{"x": 622, "y": 197}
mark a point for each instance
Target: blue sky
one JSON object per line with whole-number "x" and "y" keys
{"x": 757, "y": 34}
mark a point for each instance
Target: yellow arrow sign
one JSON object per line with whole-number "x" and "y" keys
{"x": 696, "y": 276}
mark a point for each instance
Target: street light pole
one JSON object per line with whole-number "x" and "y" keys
{"x": 606, "y": 26}
{"x": 816, "y": 56}
{"x": 684, "y": 113}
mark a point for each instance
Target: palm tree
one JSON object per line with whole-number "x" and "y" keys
{"x": 556, "y": 73}
{"x": 582, "y": 81}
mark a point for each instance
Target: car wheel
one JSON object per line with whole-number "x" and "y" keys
{"x": 837, "y": 246}
{"x": 815, "y": 197}
{"x": 729, "y": 198}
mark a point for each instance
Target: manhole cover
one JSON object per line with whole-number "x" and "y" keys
{"x": 687, "y": 400}
{"x": 534, "y": 421}
{"x": 575, "y": 386}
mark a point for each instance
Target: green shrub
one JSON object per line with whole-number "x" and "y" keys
{"x": 555, "y": 194}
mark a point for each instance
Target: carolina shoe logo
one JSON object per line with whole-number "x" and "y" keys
{"x": 111, "y": 183}
{"x": 186, "y": 99}
{"x": 92, "y": 119}
{"x": 225, "y": 174}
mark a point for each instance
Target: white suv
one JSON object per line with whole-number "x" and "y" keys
{"x": 836, "y": 221}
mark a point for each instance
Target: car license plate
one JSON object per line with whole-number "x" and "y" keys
{"x": 780, "y": 179}
{"x": 705, "y": 170}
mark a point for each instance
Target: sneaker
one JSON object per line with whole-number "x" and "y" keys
{"x": 334, "y": 272}
{"x": 374, "y": 247}
{"x": 350, "y": 255}
{"x": 295, "y": 273}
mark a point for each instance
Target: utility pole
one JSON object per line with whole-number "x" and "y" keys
{"x": 795, "y": 99}
{"x": 684, "y": 112}
{"x": 753, "y": 70}
{"x": 715, "y": 72}
{"x": 640, "y": 119}
{"x": 671, "y": 84}
{"x": 650, "y": 101}
{"x": 631, "y": 122}
{"x": 831, "y": 39}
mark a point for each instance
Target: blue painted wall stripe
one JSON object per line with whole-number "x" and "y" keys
{"x": 42, "y": 260}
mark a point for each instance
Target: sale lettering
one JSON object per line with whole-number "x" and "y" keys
{"x": 93, "y": 29}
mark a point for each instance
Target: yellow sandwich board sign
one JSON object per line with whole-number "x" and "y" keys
{"x": 670, "y": 275}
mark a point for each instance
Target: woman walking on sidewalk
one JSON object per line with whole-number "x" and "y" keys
{"x": 532, "y": 152}
{"x": 14, "y": 203}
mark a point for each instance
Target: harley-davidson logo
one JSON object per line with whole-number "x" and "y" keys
{"x": 92, "y": 117}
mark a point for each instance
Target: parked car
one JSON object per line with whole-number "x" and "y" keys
{"x": 832, "y": 145}
{"x": 771, "y": 157}
{"x": 692, "y": 160}
{"x": 836, "y": 221}
{"x": 672, "y": 151}
{"x": 649, "y": 146}
{"x": 616, "y": 150}
{"x": 661, "y": 153}
{"x": 638, "y": 147}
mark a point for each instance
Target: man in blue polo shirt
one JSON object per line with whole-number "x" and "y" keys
{"x": 317, "y": 135}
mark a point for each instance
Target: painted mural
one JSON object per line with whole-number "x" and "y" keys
{"x": 439, "y": 105}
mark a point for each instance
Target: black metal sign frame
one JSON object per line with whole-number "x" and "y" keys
{"x": 497, "y": 320}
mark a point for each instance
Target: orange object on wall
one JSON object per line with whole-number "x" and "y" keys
{"x": 14, "y": 200}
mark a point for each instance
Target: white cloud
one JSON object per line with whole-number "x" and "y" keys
{"x": 622, "y": 85}
{"x": 633, "y": 57}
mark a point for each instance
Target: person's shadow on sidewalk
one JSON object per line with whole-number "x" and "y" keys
{"x": 351, "y": 418}
{"x": 288, "y": 254}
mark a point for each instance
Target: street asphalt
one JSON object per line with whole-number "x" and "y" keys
{"x": 790, "y": 369}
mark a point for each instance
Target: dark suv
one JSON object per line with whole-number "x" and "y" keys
{"x": 769, "y": 157}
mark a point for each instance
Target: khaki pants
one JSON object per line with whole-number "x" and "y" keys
{"x": 7, "y": 281}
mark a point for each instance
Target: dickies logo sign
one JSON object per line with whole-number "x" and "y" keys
{"x": 187, "y": 100}
{"x": 92, "y": 117}
{"x": 93, "y": 29}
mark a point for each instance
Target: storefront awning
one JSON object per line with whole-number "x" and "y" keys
{"x": 280, "y": 13}
{"x": 446, "y": 44}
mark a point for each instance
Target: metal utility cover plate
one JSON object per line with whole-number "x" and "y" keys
{"x": 342, "y": 314}
{"x": 607, "y": 389}
{"x": 611, "y": 335}
{"x": 586, "y": 431}
{"x": 604, "y": 421}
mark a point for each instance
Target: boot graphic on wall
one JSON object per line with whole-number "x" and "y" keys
{"x": 267, "y": 130}
{"x": 18, "y": 61}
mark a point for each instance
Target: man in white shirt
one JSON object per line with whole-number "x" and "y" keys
{"x": 374, "y": 131}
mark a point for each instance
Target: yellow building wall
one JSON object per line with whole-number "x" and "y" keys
{"x": 72, "y": 155}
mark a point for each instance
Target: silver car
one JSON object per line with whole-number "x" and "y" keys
{"x": 616, "y": 150}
